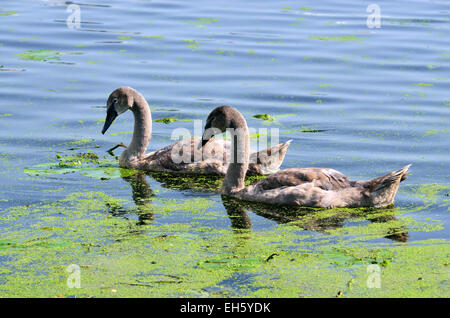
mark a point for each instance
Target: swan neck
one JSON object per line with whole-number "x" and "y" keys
{"x": 239, "y": 157}
{"x": 142, "y": 127}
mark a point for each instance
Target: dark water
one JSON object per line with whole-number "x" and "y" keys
{"x": 381, "y": 95}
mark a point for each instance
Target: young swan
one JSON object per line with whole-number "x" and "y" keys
{"x": 313, "y": 187}
{"x": 181, "y": 156}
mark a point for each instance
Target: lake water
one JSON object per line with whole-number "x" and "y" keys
{"x": 364, "y": 101}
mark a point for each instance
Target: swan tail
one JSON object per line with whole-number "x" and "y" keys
{"x": 269, "y": 160}
{"x": 382, "y": 190}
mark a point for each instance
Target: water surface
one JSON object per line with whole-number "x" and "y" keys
{"x": 362, "y": 101}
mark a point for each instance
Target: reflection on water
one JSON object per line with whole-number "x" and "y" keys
{"x": 311, "y": 219}
{"x": 142, "y": 196}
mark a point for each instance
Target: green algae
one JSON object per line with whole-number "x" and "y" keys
{"x": 186, "y": 181}
{"x": 121, "y": 133}
{"x": 201, "y": 22}
{"x": 153, "y": 37}
{"x": 342, "y": 38}
{"x": 39, "y": 55}
{"x": 348, "y": 257}
{"x": 192, "y": 44}
{"x": 204, "y": 257}
{"x": 423, "y": 84}
{"x": 8, "y": 13}
{"x": 166, "y": 120}
{"x": 224, "y": 52}
{"x": 432, "y": 66}
{"x": 304, "y": 129}
{"x": 87, "y": 164}
{"x": 410, "y": 21}
{"x": 430, "y": 193}
{"x": 80, "y": 142}
{"x": 266, "y": 117}
{"x": 120, "y": 256}
{"x": 434, "y": 131}
{"x": 29, "y": 39}
{"x": 43, "y": 55}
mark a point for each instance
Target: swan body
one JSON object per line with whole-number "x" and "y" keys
{"x": 313, "y": 187}
{"x": 213, "y": 155}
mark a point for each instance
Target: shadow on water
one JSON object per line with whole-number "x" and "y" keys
{"x": 197, "y": 183}
{"x": 311, "y": 219}
{"x": 142, "y": 196}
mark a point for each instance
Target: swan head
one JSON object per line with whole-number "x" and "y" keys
{"x": 118, "y": 102}
{"x": 220, "y": 119}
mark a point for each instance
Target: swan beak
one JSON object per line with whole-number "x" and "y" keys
{"x": 205, "y": 139}
{"x": 204, "y": 142}
{"x": 111, "y": 114}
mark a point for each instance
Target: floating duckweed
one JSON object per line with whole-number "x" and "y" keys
{"x": 410, "y": 21}
{"x": 164, "y": 259}
{"x": 429, "y": 192}
{"x": 153, "y": 36}
{"x": 224, "y": 52}
{"x": 87, "y": 164}
{"x": 183, "y": 182}
{"x": 343, "y": 38}
{"x": 193, "y": 44}
{"x": 29, "y": 39}
{"x": 349, "y": 257}
{"x": 79, "y": 142}
{"x": 39, "y": 55}
{"x": 8, "y": 13}
{"x": 424, "y": 84}
{"x": 308, "y": 130}
{"x": 121, "y": 133}
{"x": 264, "y": 117}
{"x": 166, "y": 120}
{"x": 42, "y": 55}
{"x": 432, "y": 67}
{"x": 201, "y": 22}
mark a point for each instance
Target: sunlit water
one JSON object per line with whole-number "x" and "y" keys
{"x": 364, "y": 101}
